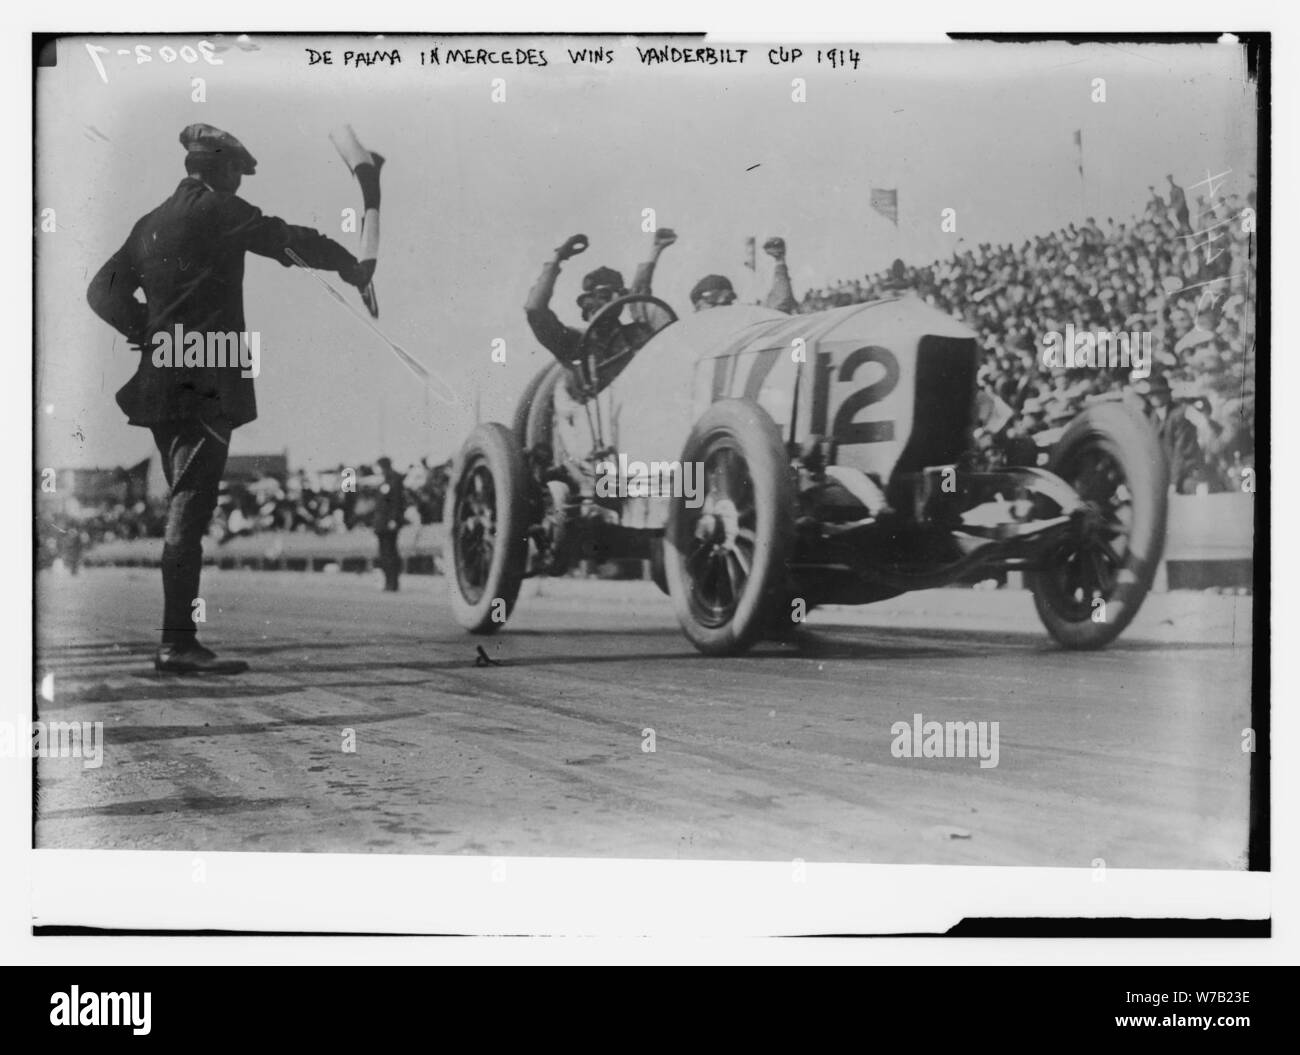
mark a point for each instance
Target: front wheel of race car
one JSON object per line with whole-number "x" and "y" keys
{"x": 1090, "y": 585}
{"x": 487, "y": 525}
{"x": 725, "y": 559}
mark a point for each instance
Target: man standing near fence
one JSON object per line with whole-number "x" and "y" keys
{"x": 390, "y": 509}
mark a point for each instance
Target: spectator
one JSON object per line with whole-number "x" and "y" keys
{"x": 1188, "y": 281}
{"x": 1177, "y": 434}
{"x": 390, "y": 509}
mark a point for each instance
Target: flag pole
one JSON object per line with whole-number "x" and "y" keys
{"x": 1083, "y": 182}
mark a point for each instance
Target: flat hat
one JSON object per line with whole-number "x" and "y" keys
{"x": 710, "y": 284}
{"x": 205, "y": 139}
{"x": 602, "y": 276}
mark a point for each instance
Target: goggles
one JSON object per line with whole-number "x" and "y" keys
{"x": 598, "y": 297}
{"x": 715, "y": 298}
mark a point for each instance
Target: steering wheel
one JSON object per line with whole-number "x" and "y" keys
{"x": 596, "y": 370}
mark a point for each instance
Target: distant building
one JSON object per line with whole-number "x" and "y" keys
{"x": 246, "y": 468}
{"x": 99, "y": 488}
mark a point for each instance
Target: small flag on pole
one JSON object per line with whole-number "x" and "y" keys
{"x": 751, "y": 261}
{"x": 885, "y": 202}
{"x": 1078, "y": 143}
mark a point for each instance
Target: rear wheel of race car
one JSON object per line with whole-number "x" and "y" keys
{"x": 1090, "y": 586}
{"x": 487, "y": 525}
{"x": 725, "y": 561}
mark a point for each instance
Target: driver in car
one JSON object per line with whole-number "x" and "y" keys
{"x": 612, "y": 344}
{"x": 716, "y": 291}
{"x": 616, "y": 342}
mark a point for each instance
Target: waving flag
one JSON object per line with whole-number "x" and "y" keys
{"x": 365, "y": 166}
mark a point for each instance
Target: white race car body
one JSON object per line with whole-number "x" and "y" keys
{"x": 831, "y": 460}
{"x": 856, "y": 375}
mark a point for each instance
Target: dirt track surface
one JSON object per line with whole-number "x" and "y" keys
{"x": 1132, "y": 755}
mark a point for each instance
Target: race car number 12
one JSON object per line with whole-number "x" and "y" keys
{"x": 844, "y": 429}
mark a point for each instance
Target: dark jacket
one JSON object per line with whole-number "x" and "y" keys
{"x": 560, "y": 340}
{"x": 1182, "y": 450}
{"x": 390, "y": 503}
{"x": 187, "y": 256}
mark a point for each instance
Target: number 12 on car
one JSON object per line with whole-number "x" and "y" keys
{"x": 849, "y": 388}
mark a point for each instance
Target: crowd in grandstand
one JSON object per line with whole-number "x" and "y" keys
{"x": 1186, "y": 276}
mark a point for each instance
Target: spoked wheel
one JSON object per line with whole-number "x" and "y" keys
{"x": 1093, "y": 581}
{"x": 487, "y": 529}
{"x": 725, "y": 561}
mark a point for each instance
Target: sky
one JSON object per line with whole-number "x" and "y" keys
{"x": 477, "y": 193}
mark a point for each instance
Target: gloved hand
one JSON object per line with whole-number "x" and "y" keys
{"x": 573, "y": 245}
{"x": 775, "y": 248}
{"x": 664, "y": 237}
{"x": 358, "y": 273}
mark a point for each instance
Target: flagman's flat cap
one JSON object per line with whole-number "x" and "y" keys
{"x": 205, "y": 139}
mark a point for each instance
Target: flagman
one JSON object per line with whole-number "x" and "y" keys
{"x": 187, "y": 257}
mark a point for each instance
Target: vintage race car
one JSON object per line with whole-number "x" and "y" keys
{"x": 822, "y": 459}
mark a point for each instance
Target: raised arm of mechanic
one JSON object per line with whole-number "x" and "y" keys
{"x": 781, "y": 297}
{"x": 645, "y": 271}
{"x": 558, "y": 339}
